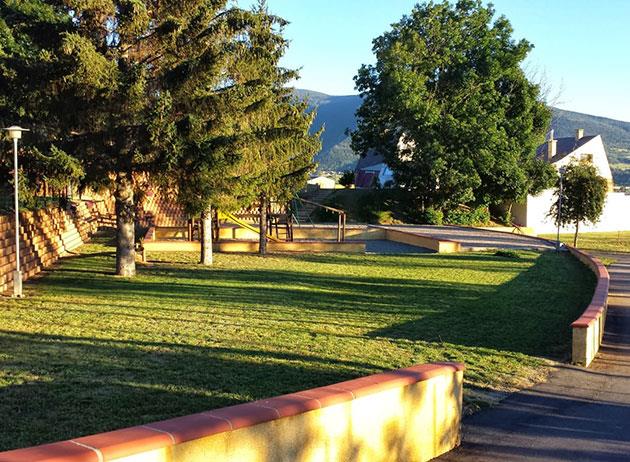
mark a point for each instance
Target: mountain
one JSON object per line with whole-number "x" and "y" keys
{"x": 336, "y": 115}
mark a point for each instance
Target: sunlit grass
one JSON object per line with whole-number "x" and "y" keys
{"x": 608, "y": 242}
{"x": 87, "y": 351}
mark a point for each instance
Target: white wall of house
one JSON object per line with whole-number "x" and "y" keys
{"x": 593, "y": 150}
{"x": 616, "y": 215}
{"x": 323, "y": 182}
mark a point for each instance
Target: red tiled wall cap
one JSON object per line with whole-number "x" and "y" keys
{"x": 120, "y": 443}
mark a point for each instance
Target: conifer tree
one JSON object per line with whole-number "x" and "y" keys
{"x": 117, "y": 83}
{"x": 279, "y": 140}
{"x": 256, "y": 146}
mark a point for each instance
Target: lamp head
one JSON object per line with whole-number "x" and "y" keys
{"x": 14, "y": 132}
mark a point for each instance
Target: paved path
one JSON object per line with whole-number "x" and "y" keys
{"x": 478, "y": 239}
{"x": 578, "y": 415}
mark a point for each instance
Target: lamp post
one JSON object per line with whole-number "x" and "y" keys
{"x": 561, "y": 170}
{"x": 15, "y": 133}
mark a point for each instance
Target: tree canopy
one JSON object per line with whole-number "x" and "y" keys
{"x": 451, "y": 110}
{"x": 118, "y": 84}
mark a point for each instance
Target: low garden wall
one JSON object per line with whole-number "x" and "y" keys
{"x": 588, "y": 329}
{"x": 410, "y": 415}
{"x": 421, "y": 240}
{"x": 45, "y": 235}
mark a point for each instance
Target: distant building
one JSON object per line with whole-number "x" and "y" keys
{"x": 534, "y": 213}
{"x": 372, "y": 169}
{"x": 323, "y": 182}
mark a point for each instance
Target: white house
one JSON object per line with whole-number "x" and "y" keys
{"x": 323, "y": 182}
{"x": 371, "y": 168}
{"x": 560, "y": 152}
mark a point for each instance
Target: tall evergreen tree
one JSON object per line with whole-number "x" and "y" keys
{"x": 113, "y": 81}
{"x": 256, "y": 145}
{"x": 450, "y": 108}
{"x": 279, "y": 141}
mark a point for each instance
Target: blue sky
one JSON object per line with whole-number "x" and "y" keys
{"x": 582, "y": 47}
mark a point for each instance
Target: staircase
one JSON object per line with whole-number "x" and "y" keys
{"x": 303, "y": 211}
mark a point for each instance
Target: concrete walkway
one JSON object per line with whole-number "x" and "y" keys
{"x": 477, "y": 239}
{"x": 577, "y": 415}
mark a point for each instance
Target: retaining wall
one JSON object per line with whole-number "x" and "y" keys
{"x": 410, "y": 415}
{"x": 45, "y": 235}
{"x": 421, "y": 240}
{"x": 588, "y": 329}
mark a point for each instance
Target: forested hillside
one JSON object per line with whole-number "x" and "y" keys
{"x": 336, "y": 114}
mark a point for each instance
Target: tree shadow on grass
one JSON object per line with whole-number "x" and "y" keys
{"x": 83, "y": 385}
{"x": 530, "y": 314}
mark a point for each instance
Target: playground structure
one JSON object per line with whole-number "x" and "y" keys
{"x": 290, "y": 228}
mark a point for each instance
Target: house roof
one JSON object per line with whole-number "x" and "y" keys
{"x": 371, "y": 158}
{"x": 564, "y": 147}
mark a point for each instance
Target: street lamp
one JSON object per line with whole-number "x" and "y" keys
{"x": 15, "y": 133}
{"x": 561, "y": 170}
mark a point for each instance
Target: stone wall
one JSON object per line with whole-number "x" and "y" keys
{"x": 45, "y": 235}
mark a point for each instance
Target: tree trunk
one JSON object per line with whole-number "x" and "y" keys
{"x": 575, "y": 236}
{"x": 125, "y": 229}
{"x": 262, "y": 247}
{"x": 206, "y": 237}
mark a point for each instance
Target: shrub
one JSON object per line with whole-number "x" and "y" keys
{"x": 347, "y": 178}
{"x": 513, "y": 254}
{"x": 468, "y": 217}
{"x": 431, "y": 216}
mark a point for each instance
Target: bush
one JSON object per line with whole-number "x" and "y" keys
{"x": 347, "y": 178}
{"x": 468, "y": 217}
{"x": 431, "y": 216}
{"x": 512, "y": 254}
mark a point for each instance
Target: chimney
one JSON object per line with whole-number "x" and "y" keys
{"x": 551, "y": 147}
{"x": 579, "y": 134}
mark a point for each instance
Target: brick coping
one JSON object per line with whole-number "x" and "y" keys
{"x": 142, "y": 438}
{"x": 597, "y": 307}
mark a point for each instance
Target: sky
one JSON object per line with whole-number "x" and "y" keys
{"x": 582, "y": 47}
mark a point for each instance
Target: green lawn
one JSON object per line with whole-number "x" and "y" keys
{"x": 607, "y": 242}
{"x": 88, "y": 352}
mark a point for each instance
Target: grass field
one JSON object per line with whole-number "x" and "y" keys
{"x": 88, "y": 352}
{"x": 607, "y": 242}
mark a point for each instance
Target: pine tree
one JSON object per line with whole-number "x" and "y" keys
{"x": 117, "y": 83}
{"x": 257, "y": 145}
{"x": 279, "y": 124}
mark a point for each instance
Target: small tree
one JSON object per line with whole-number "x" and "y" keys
{"x": 583, "y": 196}
{"x": 347, "y": 179}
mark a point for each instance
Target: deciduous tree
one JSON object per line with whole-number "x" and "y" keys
{"x": 450, "y": 108}
{"x": 583, "y": 196}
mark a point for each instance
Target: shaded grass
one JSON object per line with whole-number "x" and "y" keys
{"x": 87, "y": 351}
{"x": 608, "y": 242}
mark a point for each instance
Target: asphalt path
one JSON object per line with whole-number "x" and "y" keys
{"x": 578, "y": 414}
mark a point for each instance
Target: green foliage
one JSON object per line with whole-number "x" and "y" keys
{"x": 450, "y": 108}
{"x": 511, "y": 254}
{"x": 257, "y": 142}
{"x": 582, "y": 196}
{"x": 464, "y": 216}
{"x": 347, "y": 179}
{"x": 431, "y": 216}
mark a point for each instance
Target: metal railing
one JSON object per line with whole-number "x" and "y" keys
{"x": 341, "y": 217}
